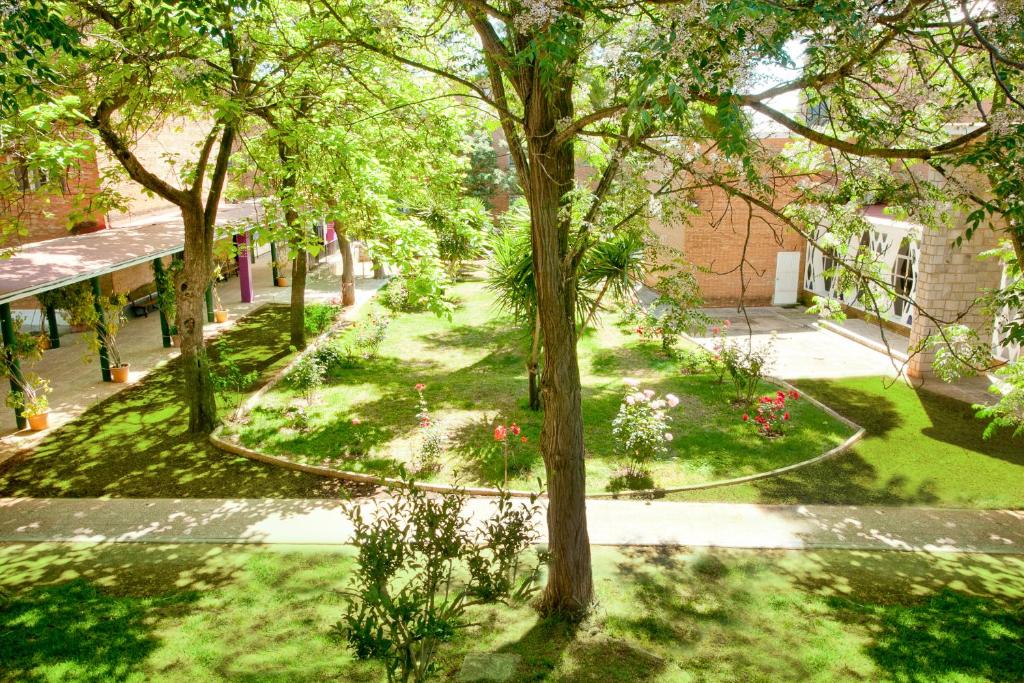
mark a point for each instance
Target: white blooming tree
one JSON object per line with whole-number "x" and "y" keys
{"x": 683, "y": 90}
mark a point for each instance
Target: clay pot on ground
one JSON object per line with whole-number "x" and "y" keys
{"x": 119, "y": 374}
{"x": 38, "y": 423}
{"x": 44, "y": 342}
{"x": 282, "y": 282}
{"x": 220, "y": 316}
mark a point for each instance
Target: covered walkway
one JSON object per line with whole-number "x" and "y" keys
{"x": 72, "y": 369}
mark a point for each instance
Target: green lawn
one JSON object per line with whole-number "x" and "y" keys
{"x": 921, "y": 449}
{"x": 140, "y": 612}
{"x": 135, "y": 443}
{"x": 475, "y": 374}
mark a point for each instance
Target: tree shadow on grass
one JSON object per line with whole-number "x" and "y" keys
{"x": 954, "y": 422}
{"x": 946, "y": 617}
{"x": 136, "y": 443}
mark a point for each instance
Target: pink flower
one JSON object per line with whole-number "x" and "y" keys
{"x": 658, "y": 405}
{"x": 514, "y": 428}
{"x": 716, "y": 330}
{"x": 631, "y": 400}
{"x": 727, "y": 323}
{"x": 523, "y": 439}
{"x": 356, "y": 421}
{"x": 500, "y": 433}
{"x": 668, "y": 436}
{"x": 672, "y": 400}
{"x": 631, "y": 382}
{"x": 420, "y": 386}
{"x": 649, "y": 393}
{"x": 425, "y": 422}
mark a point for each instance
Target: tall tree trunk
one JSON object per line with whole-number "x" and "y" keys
{"x": 348, "y": 269}
{"x": 298, "y": 300}
{"x": 570, "y": 589}
{"x": 533, "y": 365}
{"x": 191, "y": 313}
{"x": 378, "y": 270}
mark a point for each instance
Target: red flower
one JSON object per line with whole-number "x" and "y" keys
{"x": 523, "y": 439}
{"x": 500, "y": 433}
{"x": 785, "y": 416}
{"x": 514, "y": 428}
{"x": 745, "y": 417}
{"x": 639, "y": 330}
{"x": 425, "y": 422}
{"x": 420, "y": 387}
{"x": 794, "y": 394}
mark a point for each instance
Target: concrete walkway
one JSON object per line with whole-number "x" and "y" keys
{"x": 74, "y": 373}
{"x": 611, "y": 523}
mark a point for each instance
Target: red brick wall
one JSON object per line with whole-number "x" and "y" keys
{"x": 49, "y": 214}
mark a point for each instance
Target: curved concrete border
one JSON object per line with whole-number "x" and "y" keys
{"x": 245, "y": 406}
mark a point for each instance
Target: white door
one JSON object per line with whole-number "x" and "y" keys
{"x": 787, "y": 277}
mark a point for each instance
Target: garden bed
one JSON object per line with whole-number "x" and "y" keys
{"x": 364, "y": 419}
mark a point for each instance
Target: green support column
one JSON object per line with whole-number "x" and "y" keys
{"x": 165, "y": 326}
{"x": 13, "y": 368}
{"x": 51, "y": 323}
{"x": 273, "y": 262}
{"x": 209, "y": 303}
{"x": 101, "y": 329}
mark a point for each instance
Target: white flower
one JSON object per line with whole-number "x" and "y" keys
{"x": 658, "y": 405}
{"x": 630, "y": 400}
{"x": 672, "y": 400}
{"x": 649, "y": 393}
{"x": 631, "y": 382}
{"x": 668, "y": 436}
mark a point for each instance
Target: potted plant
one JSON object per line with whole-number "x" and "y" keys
{"x": 106, "y": 334}
{"x": 220, "y": 314}
{"x": 166, "y": 300}
{"x": 30, "y": 401}
{"x": 281, "y": 281}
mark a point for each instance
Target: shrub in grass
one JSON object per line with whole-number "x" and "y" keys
{"x": 747, "y": 367}
{"x": 421, "y": 566}
{"x": 772, "y": 414}
{"x": 319, "y": 317}
{"x": 641, "y": 428}
{"x": 307, "y": 377}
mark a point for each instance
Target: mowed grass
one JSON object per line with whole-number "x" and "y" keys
{"x": 921, "y": 448}
{"x": 135, "y": 444}
{"x": 143, "y": 612}
{"x": 474, "y": 370}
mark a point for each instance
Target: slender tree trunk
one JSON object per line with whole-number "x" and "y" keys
{"x": 191, "y": 313}
{"x": 570, "y": 589}
{"x": 348, "y": 269}
{"x": 378, "y": 271}
{"x": 298, "y": 300}
{"x": 533, "y": 365}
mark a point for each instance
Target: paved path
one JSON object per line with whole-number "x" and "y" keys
{"x": 77, "y": 385}
{"x": 611, "y": 522}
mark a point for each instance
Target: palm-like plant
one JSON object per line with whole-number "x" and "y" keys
{"x": 611, "y": 267}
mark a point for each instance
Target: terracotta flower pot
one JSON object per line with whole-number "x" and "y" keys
{"x": 220, "y": 316}
{"x": 119, "y": 375}
{"x": 282, "y": 282}
{"x": 37, "y": 423}
{"x": 44, "y": 342}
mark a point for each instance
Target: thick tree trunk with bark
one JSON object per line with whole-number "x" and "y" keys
{"x": 569, "y": 590}
{"x": 191, "y": 313}
{"x": 348, "y": 269}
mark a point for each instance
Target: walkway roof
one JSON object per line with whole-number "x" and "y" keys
{"x": 41, "y": 266}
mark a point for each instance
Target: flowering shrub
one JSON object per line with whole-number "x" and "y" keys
{"x": 641, "y": 427}
{"x": 508, "y": 437}
{"x": 369, "y": 336}
{"x": 720, "y": 348}
{"x": 772, "y": 413}
{"x": 747, "y": 367}
{"x": 676, "y": 311}
{"x": 433, "y": 440}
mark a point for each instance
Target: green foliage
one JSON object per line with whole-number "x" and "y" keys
{"x": 30, "y": 398}
{"x": 1007, "y": 413}
{"x": 747, "y": 366}
{"x": 460, "y": 232}
{"x": 227, "y": 375}
{"x": 958, "y": 352}
{"x": 319, "y": 317}
{"x": 307, "y": 377}
{"x": 676, "y": 310}
{"x": 641, "y": 428}
{"x": 421, "y": 567}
